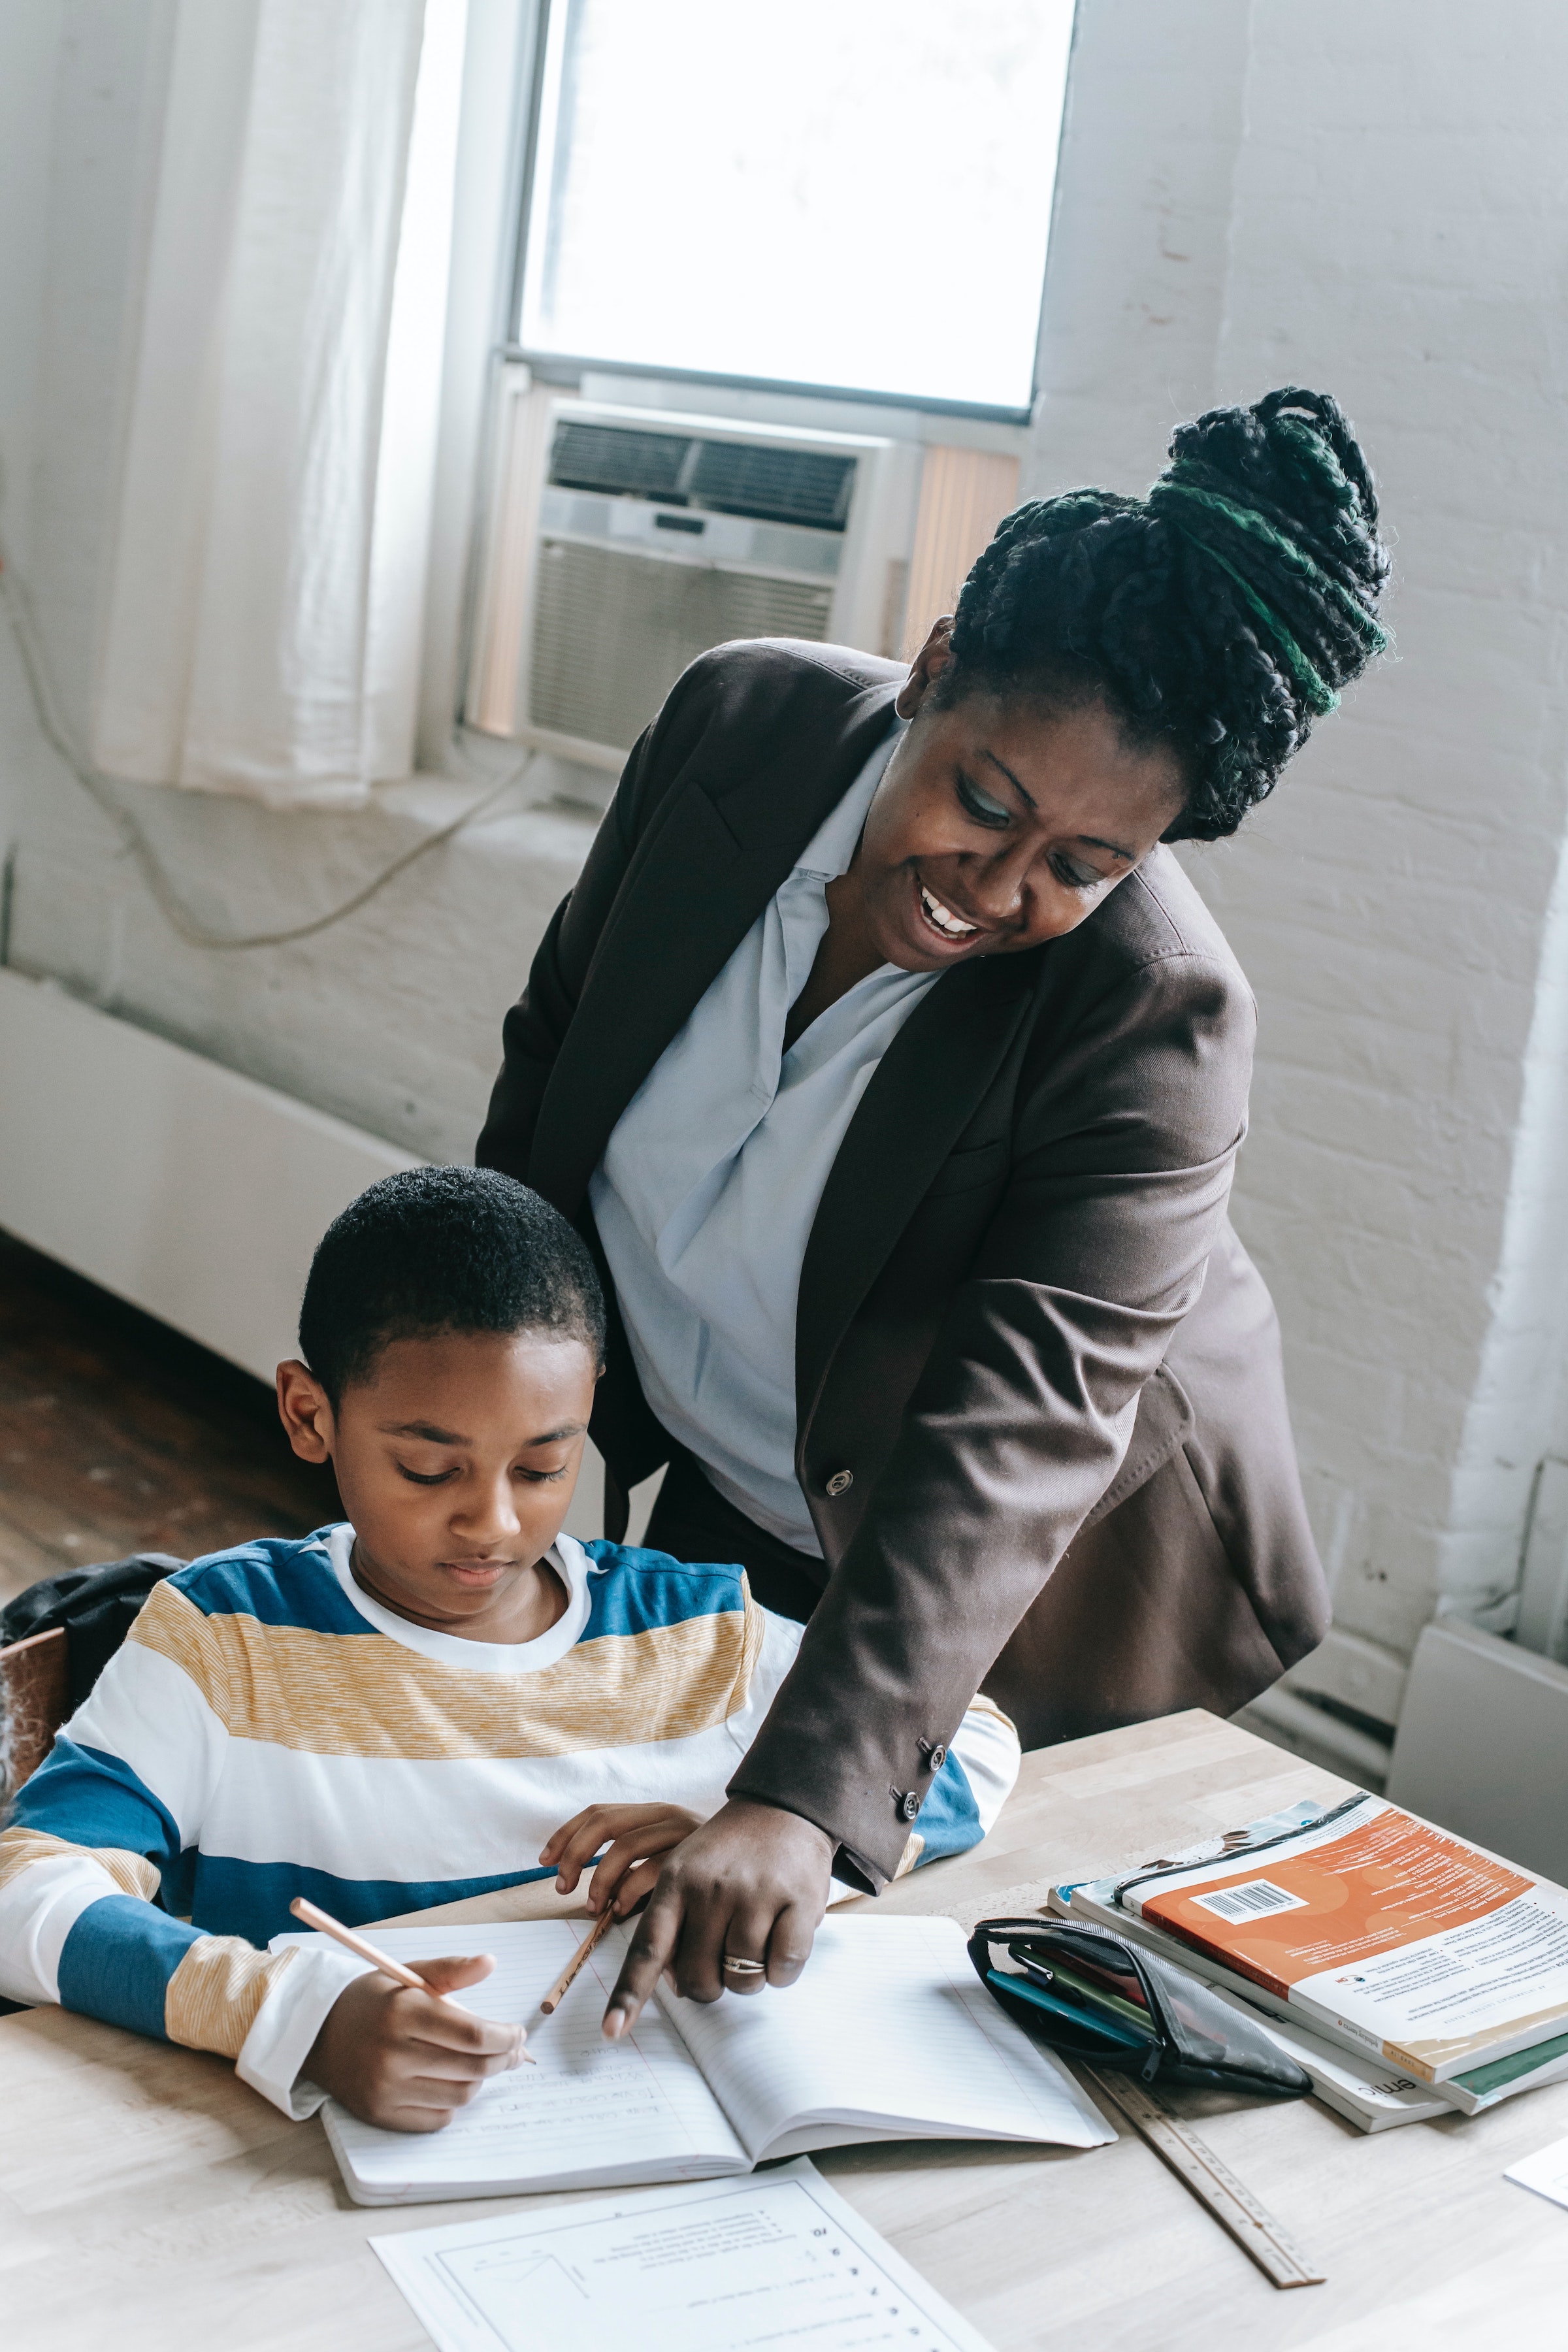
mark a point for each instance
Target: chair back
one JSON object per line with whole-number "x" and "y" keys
{"x": 34, "y": 1703}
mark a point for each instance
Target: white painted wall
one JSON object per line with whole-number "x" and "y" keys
{"x": 30, "y": 38}
{"x": 193, "y": 1192}
{"x": 1252, "y": 192}
{"x": 391, "y": 1019}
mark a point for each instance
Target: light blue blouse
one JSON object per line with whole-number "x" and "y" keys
{"x": 708, "y": 1185}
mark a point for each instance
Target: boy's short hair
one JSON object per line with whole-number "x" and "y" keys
{"x": 443, "y": 1249}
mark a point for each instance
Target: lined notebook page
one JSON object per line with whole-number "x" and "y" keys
{"x": 587, "y": 2105}
{"x": 890, "y": 2027}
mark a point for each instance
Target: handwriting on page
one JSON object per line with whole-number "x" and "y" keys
{"x": 585, "y": 2101}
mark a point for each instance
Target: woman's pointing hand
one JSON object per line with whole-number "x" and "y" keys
{"x": 750, "y": 1885}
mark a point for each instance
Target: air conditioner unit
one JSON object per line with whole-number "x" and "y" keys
{"x": 625, "y": 541}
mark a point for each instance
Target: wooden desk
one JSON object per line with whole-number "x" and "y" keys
{"x": 148, "y": 2199}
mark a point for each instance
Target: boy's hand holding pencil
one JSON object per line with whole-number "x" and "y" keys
{"x": 395, "y": 2052}
{"x": 392, "y": 2050}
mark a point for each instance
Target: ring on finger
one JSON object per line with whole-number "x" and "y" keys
{"x": 735, "y": 1967}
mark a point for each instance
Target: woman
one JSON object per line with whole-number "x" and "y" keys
{"x": 896, "y": 1073}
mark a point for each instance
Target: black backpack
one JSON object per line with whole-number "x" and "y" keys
{"x": 95, "y": 1605}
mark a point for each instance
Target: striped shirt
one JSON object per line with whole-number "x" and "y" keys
{"x": 268, "y": 1730}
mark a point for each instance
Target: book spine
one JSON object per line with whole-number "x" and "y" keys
{"x": 1355, "y": 2037}
{"x": 1439, "y": 2073}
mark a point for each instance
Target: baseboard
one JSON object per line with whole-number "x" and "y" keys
{"x": 193, "y": 1192}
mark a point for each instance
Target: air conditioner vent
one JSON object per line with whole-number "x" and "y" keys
{"x": 613, "y": 632}
{"x": 610, "y": 458}
{"x": 740, "y": 478}
{"x": 777, "y": 485}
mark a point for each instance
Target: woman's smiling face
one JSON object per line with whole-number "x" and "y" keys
{"x": 1002, "y": 821}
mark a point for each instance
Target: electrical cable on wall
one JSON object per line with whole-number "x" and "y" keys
{"x": 165, "y": 895}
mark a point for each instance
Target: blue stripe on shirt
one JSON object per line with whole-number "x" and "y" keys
{"x": 252, "y": 1898}
{"x": 635, "y": 1592}
{"x": 276, "y": 1580}
{"x": 93, "y": 1799}
{"x": 283, "y": 1583}
{"x": 950, "y": 1818}
{"x": 117, "y": 1961}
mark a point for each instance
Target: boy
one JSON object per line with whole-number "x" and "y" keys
{"x": 407, "y": 1707}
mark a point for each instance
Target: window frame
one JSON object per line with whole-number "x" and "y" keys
{"x": 569, "y": 368}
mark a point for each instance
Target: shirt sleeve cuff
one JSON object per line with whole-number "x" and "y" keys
{"x": 288, "y": 2023}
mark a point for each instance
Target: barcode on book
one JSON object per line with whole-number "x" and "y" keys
{"x": 1253, "y": 1899}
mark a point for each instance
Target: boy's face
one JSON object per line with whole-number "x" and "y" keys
{"x": 456, "y": 1460}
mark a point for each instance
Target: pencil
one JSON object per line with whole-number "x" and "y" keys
{"x": 563, "y": 1984}
{"x": 324, "y": 1922}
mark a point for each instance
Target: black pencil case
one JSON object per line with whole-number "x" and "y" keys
{"x": 1192, "y": 2036}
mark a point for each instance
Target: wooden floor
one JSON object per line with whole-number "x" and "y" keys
{"x": 116, "y": 1435}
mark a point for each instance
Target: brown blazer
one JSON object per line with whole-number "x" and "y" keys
{"x": 1025, "y": 1328}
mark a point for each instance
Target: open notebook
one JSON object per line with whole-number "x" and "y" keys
{"x": 888, "y": 2035}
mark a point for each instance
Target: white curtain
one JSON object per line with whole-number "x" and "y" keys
{"x": 261, "y": 630}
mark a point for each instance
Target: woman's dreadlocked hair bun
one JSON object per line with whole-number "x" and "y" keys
{"x": 1219, "y": 615}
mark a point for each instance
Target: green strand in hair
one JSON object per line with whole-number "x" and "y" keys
{"x": 1249, "y": 520}
{"x": 1316, "y": 459}
{"x": 1320, "y": 696}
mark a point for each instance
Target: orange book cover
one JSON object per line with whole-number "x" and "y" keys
{"x": 1385, "y": 1926}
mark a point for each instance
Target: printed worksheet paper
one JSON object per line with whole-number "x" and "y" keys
{"x": 779, "y": 2259}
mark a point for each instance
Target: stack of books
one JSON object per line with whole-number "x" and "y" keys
{"x": 1409, "y": 1972}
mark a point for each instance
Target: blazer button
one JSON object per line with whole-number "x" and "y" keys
{"x": 908, "y": 1803}
{"x": 938, "y": 1757}
{"x": 841, "y": 1482}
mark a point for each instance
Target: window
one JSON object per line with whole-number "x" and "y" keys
{"x": 844, "y": 196}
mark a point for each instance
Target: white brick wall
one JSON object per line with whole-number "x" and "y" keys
{"x": 1398, "y": 232}
{"x": 1372, "y": 199}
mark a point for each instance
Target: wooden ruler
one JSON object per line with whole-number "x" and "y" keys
{"x": 1194, "y": 2163}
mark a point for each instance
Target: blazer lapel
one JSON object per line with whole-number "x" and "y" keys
{"x": 703, "y": 872}
{"x": 929, "y": 1085}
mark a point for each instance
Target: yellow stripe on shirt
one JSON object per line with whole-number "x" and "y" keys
{"x": 131, "y": 1873}
{"x": 212, "y": 1999}
{"x": 348, "y": 1695}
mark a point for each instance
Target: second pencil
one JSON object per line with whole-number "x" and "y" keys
{"x": 563, "y": 1984}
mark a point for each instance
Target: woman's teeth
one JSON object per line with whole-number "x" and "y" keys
{"x": 951, "y": 925}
